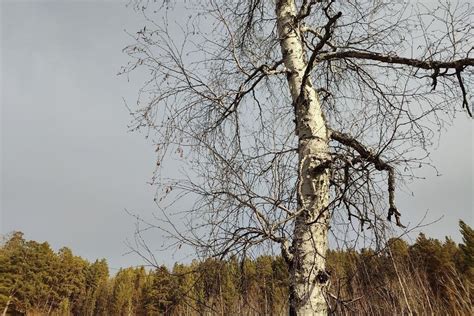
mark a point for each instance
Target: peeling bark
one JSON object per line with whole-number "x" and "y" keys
{"x": 308, "y": 276}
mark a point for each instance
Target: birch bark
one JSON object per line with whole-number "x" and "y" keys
{"x": 308, "y": 276}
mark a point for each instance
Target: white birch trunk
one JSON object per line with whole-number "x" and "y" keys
{"x": 308, "y": 276}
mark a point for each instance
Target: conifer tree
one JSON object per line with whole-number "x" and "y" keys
{"x": 467, "y": 247}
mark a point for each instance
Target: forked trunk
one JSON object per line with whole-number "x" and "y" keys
{"x": 308, "y": 276}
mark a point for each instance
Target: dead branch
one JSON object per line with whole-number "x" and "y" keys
{"x": 366, "y": 154}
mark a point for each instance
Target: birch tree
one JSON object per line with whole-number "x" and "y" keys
{"x": 292, "y": 120}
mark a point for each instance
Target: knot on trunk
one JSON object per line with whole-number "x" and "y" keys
{"x": 319, "y": 166}
{"x": 323, "y": 276}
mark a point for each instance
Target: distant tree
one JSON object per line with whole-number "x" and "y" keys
{"x": 95, "y": 280}
{"x": 437, "y": 261}
{"x": 291, "y": 114}
{"x": 139, "y": 281}
{"x": 12, "y": 267}
{"x": 148, "y": 298}
{"x": 428, "y": 276}
{"x": 161, "y": 295}
{"x": 121, "y": 300}
{"x": 466, "y": 262}
{"x": 104, "y": 291}
{"x": 28, "y": 276}
{"x": 467, "y": 247}
{"x": 398, "y": 247}
{"x": 71, "y": 279}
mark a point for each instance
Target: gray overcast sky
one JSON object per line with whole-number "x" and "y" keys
{"x": 69, "y": 167}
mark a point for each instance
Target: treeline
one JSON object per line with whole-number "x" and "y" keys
{"x": 427, "y": 277}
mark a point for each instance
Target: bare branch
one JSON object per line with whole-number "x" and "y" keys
{"x": 422, "y": 64}
{"x": 368, "y": 155}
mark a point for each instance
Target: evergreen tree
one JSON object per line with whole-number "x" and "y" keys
{"x": 70, "y": 278}
{"x": 122, "y": 293}
{"x": 12, "y": 267}
{"x": 96, "y": 274}
{"x": 429, "y": 276}
{"x": 467, "y": 247}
